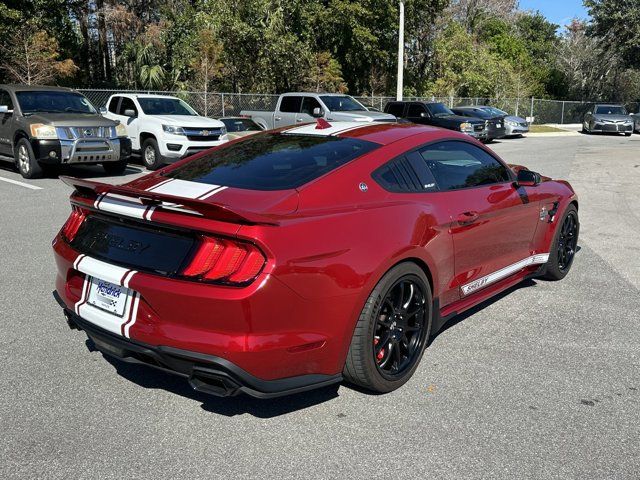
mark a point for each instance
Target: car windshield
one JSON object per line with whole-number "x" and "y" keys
{"x": 342, "y": 103}
{"x": 476, "y": 112}
{"x": 165, "y": 106}
{"x": 240, "y": 125}
{"x": 439, "y": 110}
{"x": 610, "y": 110}
{"x": 272, "y": 161}
{"x": 494, "y": 110}
{"x": 53, "y": 102}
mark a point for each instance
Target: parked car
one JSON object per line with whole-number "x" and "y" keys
{"x": 240, "y": 127}
{"x": 294, "y": 108}
{"x": 605, "y": 118}
{"x": 514, "y": 126}
{"x": 301, "y": 257}
{"x": 438, "y": 115}
{"x": 44, "y": 127}
{"x": 163, "y": 129}
{"x": 495, "y": 123}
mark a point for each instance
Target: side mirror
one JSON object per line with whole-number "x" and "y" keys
{"x": 102, "y": 110}
{"x": 527, "y": 178}
{"x": 317, "y": 113}
{"x": 4, "y": 109}
{"x": 130, "y": 113}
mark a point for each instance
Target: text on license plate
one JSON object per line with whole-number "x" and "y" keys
{"x": 108, "y": 296}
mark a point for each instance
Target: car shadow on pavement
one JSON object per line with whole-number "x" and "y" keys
{"x": 150, "y": 378}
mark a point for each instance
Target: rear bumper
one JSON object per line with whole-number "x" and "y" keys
{"x": 205, "y": 373}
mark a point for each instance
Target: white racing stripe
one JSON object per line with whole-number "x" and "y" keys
{"x": 537, "y": 259}
{"x": 186, "y": 189}
{"x": 92, "y": 267}
{"x": 335, "y": 129}
{"x": 21, "y": 184}
{"x": 116, "y": 204}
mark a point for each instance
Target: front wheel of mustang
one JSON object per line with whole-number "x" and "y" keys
{"x": 392, "y": 331}
{"x": 565, "y": 244}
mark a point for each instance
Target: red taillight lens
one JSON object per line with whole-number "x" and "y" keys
{"x": 73, "y": 223}
{"x": 225, "y": 261}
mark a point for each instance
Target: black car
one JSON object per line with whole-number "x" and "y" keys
{"x": 437, "y": 114}
{"x": 495, "y": 123}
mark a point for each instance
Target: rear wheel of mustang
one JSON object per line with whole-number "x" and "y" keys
{"x": 392, "y": 331}
{"x": 151, "y": 154}
{"x": 564, "y": 245}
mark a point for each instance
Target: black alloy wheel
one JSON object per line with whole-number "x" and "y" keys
{"x": 398, "y": 336}
{"x": 567, "y": 241}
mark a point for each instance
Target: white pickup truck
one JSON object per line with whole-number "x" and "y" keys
{"x": 295, "y": 108}
{"x": 163, "y": 129}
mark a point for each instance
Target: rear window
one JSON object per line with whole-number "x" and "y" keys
{"x": 272, "y": 161}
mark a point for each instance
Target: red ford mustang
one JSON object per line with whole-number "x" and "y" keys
{"x": 296, "y": 258}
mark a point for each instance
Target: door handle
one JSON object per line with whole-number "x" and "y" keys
{"x": 468, "y": 217}
{"x": 277, "y": 119}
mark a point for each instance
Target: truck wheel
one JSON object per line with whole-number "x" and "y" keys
{"x": 115, "y": 168}
{"x": 26, "y": 161}
{"x": 151, "y": 155}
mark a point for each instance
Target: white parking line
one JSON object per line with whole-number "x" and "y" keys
{"x": 22, "y": 184}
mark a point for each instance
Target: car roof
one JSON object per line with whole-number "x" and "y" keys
{"x": 324, "y": 94}
{"x": 143, "y": 95}
{"x": 608, "y": 105}
{"x": 382, "y": 133}
{"x": 35, "y": 88}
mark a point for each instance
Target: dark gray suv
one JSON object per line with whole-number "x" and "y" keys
{"x": 43, "y": 127}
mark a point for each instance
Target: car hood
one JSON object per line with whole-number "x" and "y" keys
{"x": 363, "y": 116}
{"x": 615, "y": 118}
{"x": 457, "y": 120}
{"x": 513, "y": 118}
{"x": 246, "y": 133}
{"x": 71, "y": 119}
{"x": 188, "y": 121}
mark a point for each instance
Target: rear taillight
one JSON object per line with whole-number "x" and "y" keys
{"x": 226, "y": 261}
{"x": 73, "y": 223}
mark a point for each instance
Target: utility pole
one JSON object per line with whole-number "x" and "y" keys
{"x": 400, "y": 53}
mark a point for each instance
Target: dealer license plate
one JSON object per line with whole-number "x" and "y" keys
{"x": 108, "y": 296}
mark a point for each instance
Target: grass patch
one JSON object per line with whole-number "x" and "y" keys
{"x": 544, "y": 129}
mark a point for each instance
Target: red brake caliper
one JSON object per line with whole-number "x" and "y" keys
{"x": 380, "y": 355}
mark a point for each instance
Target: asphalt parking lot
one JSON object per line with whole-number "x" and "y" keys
{"x": 542, "y": 382}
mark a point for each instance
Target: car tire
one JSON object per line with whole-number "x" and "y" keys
{"x": 560, "y": 263}
{"x": 115, "y": 168}
{"x": 151, "y": 157}
{"x": 627, "y": 134}
{"x": 26, "y": 161}
{"x": 371, "y": 366}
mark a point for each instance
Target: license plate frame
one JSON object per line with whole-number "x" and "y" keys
{"x": 108, "y": 297}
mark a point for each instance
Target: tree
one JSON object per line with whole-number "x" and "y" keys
{"x": 617, "y": 24}
{"x": 33, "y": 57}
{"x": 325, "y": 74}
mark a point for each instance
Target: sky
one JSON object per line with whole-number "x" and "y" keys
{"x": 556, "y": 11}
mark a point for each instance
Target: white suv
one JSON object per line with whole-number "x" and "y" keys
{"x": 163, "y": 129}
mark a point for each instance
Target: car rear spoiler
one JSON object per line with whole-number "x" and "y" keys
{"x": 211, "y": 210}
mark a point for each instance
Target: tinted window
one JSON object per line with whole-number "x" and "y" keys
{"x": 610, "y": 110}
{"x": 272, "y": 161}
{"x": 342, "y": 103}
{"x": 406, "y": 174}
{"x": 53, "y": 102}
{"x": 5, "y": 99}
{"x": 165, "y": 106}
{"x": 415, "y": 110}
{"x": 113, "y": 105}
{"x": 395, "y": 108}
{"x": 127, "y": 104}
{"x": 439, "y": 110}
{"x": 240, "y": 125}
{"x": 290, "y": 104}
{"x": 308, "y": 104}
{"x": 462, "y": 165}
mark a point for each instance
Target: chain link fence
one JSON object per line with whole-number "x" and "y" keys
{"x": 214, "y": 104}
